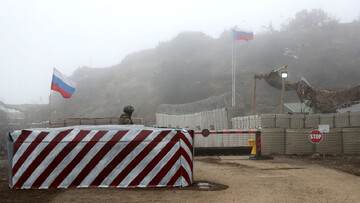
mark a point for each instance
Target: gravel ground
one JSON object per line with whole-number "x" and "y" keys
{"x": 313, "y": 178}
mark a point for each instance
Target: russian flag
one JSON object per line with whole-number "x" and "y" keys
{"x": 62, "y": 84}
{"x": 243, "y": 35}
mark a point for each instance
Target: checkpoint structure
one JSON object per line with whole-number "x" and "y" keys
{"x": 100, "y": 156}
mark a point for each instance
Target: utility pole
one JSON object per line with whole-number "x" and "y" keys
{"x": 254, "y": 96}
{"x": 283, "y": 76}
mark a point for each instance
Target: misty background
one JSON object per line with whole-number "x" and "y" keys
{"x": 159, "y": 55}
{"x": 38, "y": 35}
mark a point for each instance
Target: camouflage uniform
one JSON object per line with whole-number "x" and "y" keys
{"x": 125, "y": 118}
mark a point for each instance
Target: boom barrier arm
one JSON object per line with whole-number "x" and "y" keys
{"x": 206, "y": 132}
{"x": 258, "y": 156}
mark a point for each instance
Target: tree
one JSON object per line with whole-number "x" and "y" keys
{"x": 305, "y": 19}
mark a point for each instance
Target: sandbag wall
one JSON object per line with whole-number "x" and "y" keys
{"x": 90, "y": 121}
{"x": 100, "y": 156}
{"x": 289, "y": 134}
{"x": 247, "y": 122}
{"x": 217, "y": 119}
{"x": 334, "y": 120}
{"x": 296, "y": 141}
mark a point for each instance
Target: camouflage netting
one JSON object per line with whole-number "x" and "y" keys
{"x": 320, "y": 98}
{"x": 274, "y": 79}
{"x": 211, "y": 103}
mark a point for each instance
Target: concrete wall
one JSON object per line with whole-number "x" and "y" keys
{"x": 217, "y": 119}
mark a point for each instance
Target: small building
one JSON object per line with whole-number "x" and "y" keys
{"x": 294, "y": 108}
{"x": 12, "y": 114}
{"x": 353, "y": 108}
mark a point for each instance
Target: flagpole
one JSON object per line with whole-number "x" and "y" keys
{"x": 50, "y": 102}
{"x": 50, "y": 109}
{"x": 242, "y": 35}
{"x": 235, "y": 75}
{"x": 233, "y": 71}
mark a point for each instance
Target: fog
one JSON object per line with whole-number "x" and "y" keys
{"x": 37, "y": 36}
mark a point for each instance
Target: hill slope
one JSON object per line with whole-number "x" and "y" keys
{"x": 194, "y": 66}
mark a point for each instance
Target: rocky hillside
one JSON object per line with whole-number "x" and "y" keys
{"x": 193, "y": 66}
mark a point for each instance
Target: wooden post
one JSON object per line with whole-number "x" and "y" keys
{"x": 282, "y": 96}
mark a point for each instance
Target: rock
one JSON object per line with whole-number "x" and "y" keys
{"x": 315, "y": 156}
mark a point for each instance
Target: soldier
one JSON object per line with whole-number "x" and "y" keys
{"x": 125, "y": 118}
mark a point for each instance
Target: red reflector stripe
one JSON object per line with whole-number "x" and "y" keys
{"x": 227, "y": 132}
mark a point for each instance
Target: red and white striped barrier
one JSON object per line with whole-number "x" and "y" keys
{"x": 100, "y": 156}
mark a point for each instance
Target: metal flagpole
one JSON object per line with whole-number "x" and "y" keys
{"x": 235, "y": 75}
{"x": 50, "y": 109}
{"x": 233, "y": 68}
{"x": 50, "y": 102}
{"x": 232, "y": 71}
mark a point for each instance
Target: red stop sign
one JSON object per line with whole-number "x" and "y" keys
{"x": 315, "y": 136}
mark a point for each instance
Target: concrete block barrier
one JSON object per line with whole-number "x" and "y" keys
{"x": 235, "y": 122}
{"x": 331, "y": 142}
{"x": 102, "y": 121}
{"x": 273, "y": 141}
{"x": 100, "y": 156}
{"x": 198, "y": 121}
{"x": 72, "y": 122}
{"x": 88, "y": 122}
{"x": 282, "y": 120}
{"x": 297, "y": 141}
{"x": 351, "y": 140}
{"x": 342, "y": 120}
{"x": 312, "y": 120}
{"x": 252, "y": 122}
{"x": 327, "y": 119}
{"x": 297, "y": 121}
{"x": 268, "y": 121}
{"x": 355, "y": 119}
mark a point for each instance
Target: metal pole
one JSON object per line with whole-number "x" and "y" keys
{"x": 50, "y": 101}
{"x": 254, "y": 96}
{"x": 50, "y": 109}
{"x": 233, "y": 102}
{"x": 232, "y": 72}
{"x": 234, "y": 91}
{"x": 258, "y": 143}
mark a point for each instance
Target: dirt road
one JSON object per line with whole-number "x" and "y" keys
{"x": 222, "y": 179}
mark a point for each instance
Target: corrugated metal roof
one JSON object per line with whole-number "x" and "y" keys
{"x": 296, "y": 108}
{"x": 353, "y": 108}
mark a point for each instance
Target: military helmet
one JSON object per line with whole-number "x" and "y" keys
{"x": 128, "y": 109}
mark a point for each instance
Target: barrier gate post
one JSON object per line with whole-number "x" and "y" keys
{"x": 258, "y": 155}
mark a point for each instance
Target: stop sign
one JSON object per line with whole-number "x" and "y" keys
{"x": 315, "y": 136}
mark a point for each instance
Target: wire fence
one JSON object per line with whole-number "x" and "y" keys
{"x": 209, "y": 104}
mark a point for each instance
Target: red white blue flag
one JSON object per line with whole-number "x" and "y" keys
{"x": 243, "y": 35}
{"x": 62, "y": 84}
